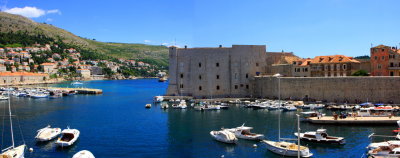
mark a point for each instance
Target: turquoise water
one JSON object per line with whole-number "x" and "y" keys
{"x": 116, "y": 124}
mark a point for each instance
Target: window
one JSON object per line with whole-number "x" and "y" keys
{"x": 241, "y": 85}
{"x": 257, "y": 64}
{"x": 305, "y": 69}
{"x": 376, "y": 57}
{"x": 344, "y": 66}
{"x": 383, "y": 57}
{"x": 217, "y": 87}
{"x": 235, "y": 75}
{"x": 199, "y": 77}
{"x": 379, "y": 66}
{"x": 236, "y": 86}
{"x": 217, "y": 76}
{"x": 217, "y": 64}
{"x": 181, "y": 75}
{"x": 391, "y": 65}
{"x": 247, "y": 86}
{"x": 383, "y": 50}
{"x": 200, "y": 88}
{"x": 247, "y": 75}
{"x": 199, "y": 64}
{"x": 181, "y": 86}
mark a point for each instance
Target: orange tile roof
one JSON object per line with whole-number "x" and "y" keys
{"x": 333, "y": 59}
{"x": 21, "y": 74}
{"x": 47, "y": 64}
{"x": 381, "y": 46}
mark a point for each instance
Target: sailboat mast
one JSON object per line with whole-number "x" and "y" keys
{"x": 11, "y": 125}
{"x": 298, "y": 135}
{"x": 279, "y": 101}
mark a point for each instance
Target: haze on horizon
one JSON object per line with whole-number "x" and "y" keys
{"x": 308, "y": 28}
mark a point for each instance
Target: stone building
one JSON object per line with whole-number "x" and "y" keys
{"x": 385, "y": 61}
{"x": 215, "y": 72}
{"x": 333, "y": 66}
{"x": 22, "y": 77}
{"x": 85, "y": 73}
{"x": 48, "y": 67}
{"x": 302, "y": 68}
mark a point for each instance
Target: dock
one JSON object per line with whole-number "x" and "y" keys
{"x": 78, "y": 90}
{"x": 355, "y": 120}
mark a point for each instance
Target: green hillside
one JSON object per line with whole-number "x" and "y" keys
{"x": 10, "y": 23}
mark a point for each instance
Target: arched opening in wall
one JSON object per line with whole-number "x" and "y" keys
{"x": 217, "y": 76}
{"x": 247, "y": 86}
{"x": 217, "y": 64}
{"x": 200, "y": 88}
{"x": 181, "y": 85}
{"x": 217, "y": 87}
{"x": 199, "y": 77}
{"x": 181, "y": 75}
{"x": 199, "y": 64}
{"x": 391, "y": 73}
{"x": 247, "y": 75}
{"x": 236, "y": 86}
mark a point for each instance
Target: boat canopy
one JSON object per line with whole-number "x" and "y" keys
{"x": 244, "y": 128}
{"x": 321, "y": 130}
{"x": 308, "y": 112}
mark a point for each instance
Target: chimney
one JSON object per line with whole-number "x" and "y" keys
{"x": 220, "y": 46}
{"x": 185, "y": 46}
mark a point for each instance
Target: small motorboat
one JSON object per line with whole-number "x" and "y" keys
{"x": 164, "y": 106}
{"x": 68, "y": 137}
{"x": 224, "y": 136}
{"x": 158, "y": 99}
{"x": 147, "y": 106}
{"x": 47, "y": 133}
{"x": 76, "y": 83}
{"x": 392, "y": 143}
{"x": 385, "y": 151}
{"x": 287, "y": 148}
{"x": 181, "y": 105}
{"x": 320, "y": 136}
{"x": 39, "y": 95}
{"x": 243, "y": 132}
{"x": 83, "y": 154}
{"x": 289, "y": 108}
{"x": 3, "y": 97}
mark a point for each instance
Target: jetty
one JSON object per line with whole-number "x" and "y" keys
{"x": 355, "y": 120}
{"x": 78, "y": 90}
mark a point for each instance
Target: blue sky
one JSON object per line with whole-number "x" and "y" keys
{"x": 306, "y": 27}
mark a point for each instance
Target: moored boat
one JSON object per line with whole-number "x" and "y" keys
{"x": 244, "y": 132}
{"x": 320, "y": 136}
{"x": 47, "y": 133}
{"x": 224, "y": 136}
{"x": 68, "y": 137}
{"x": 83, "y": 154}
{"x": 287, "y": 148}
{"x": 147, "y": 106}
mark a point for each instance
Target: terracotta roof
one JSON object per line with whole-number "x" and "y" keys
{"x": 47, "y": 64}
{"x": 381, "y": 46}
{"x": 21, "y": 74}
{"x": 333, "y": 59}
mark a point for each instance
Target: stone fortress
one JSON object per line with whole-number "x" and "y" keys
{"x": 246, "y": 71}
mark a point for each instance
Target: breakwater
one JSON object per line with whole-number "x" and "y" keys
{"x": 330, "y": 89}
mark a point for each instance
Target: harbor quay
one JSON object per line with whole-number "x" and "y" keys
{"x": 355, "y": 120}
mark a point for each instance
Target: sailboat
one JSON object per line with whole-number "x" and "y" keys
{"x": 287, "y": 148}
{"x": 12, "y": 151}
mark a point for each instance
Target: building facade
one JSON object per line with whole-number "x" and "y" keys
{"x": 333, "y": 66}
{"x": 385, "y": 61}
{"x": 301, "y": 68}
{"x": 215, "y": 72}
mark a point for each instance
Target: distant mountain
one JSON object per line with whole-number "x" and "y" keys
{"x": 10, "y": 23}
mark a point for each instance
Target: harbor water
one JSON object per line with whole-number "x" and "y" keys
{"x": 116, "y": 124}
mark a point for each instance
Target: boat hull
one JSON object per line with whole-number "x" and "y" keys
{"x": 285, "y": 152}
{"x": 17, "y": 152}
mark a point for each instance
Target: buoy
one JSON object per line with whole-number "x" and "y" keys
{"x": 254, "y": 145}
{"x": 31, "y": 149}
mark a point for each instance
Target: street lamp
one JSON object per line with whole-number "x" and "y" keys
{"x": 279, "y": 102}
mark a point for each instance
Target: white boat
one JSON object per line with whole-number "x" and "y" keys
{"x": 12, "y": 151}
{"x": 224, "y": 136}
{"x": 147, "y": 106}
{"x": 287, "y": 148}
{"x": 385, "y": 151}
{"x": 68, "y": 137}
{"x": 320, "y": 136}
{"x": 83, "y": 154}
{"x": 39, "y": 95}
{"x": 47, "y": 133}
{"x": 392, "y": 143}
{"x": 76, "y": 83}
{"x": 289, "y": 108}
{"x": 164, "y": 106}
{"x": 181, "y": 105}
{"x": 3, "y": 97}
{"x": 158, "y": 99}
{"x": 243, "y": 132}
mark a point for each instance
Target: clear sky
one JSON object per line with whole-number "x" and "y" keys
{"x": 306, "y": 27}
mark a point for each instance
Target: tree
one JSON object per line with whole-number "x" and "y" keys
{"x": 360, "y": 73}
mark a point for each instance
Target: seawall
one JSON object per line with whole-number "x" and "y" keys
{"x": 331, "y": 89}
